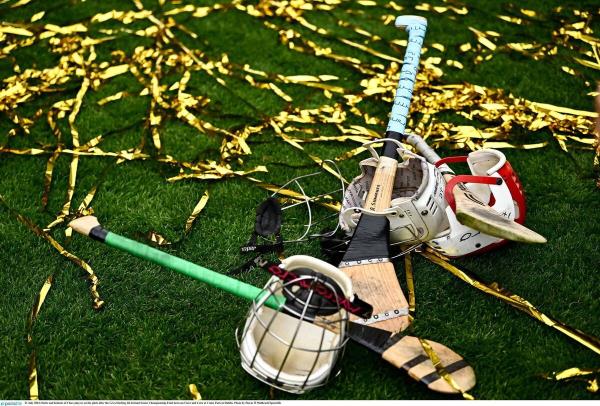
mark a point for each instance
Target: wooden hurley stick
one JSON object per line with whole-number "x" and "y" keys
{"x": 426, "y": 361}
{"x": 89, "y": 226}
{"x": 402, "y": 353}
{"x": 367, "y": 259}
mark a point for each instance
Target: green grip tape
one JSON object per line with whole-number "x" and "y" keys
{"x": 220, "y": 281}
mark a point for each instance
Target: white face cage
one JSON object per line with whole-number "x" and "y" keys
{"x": 296, "y": 348}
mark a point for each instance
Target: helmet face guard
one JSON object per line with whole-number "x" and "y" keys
{"x": 296, "y": 348}
{"x": 494, "y": 182}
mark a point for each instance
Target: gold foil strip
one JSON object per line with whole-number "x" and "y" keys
{"x": 410, "y": 283}
{"x": 98, "y": 303}
{"x": 48, "y": 176}
{"x": 108, "y": 99}
{"x": 589, "y": 376}
{"x": 483, "y": 39}
{"x": 20, "y": 3}
{"x": 9, "y": 29}
{"x": 160, "y": 240}
{"x": 442, "y": 128}
{"x": 370, "y": 51}
{"x": 157, "y": 239}
{"x": 298, "y": 197}
{"x": 40, "y": 298}
{"x": 197, "y": 209}
{"x": 32, "y": 378}
{"x": 35, "y": 310}
{"x": 216, "y": 172}
{"x": 514, "y": 20}
{"x": 516, "y": 301}
{"x": 126, "y": 17}
{"x": 193, "y": 391}
{"x": 596, "y": 144}
{"x": 437, "y": 363}
{"x": 350, "y": 154}
{"x": 122, "y": 68}
{"x": 75, "y": 159}
{"x": 37, "y": 16}
{"x": 84, "y": 209}
{"x": 327, "y": 168}
{"x": 26, "y": 151}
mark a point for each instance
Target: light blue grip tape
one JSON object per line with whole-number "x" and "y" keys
{"x": 416, "y": 27}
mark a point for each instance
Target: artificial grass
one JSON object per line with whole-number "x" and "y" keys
{"x": 161, "y": 331}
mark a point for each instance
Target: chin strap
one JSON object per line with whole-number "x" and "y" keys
{"x": 295, "y": 270}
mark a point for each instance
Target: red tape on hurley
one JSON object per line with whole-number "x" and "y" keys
{"x": 355, "y": 306}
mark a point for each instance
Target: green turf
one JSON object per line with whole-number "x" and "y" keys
{"x": 161, "y": 331}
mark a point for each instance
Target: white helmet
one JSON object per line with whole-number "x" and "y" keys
{"x": 507, "y": 198}
{"x": 295, "y": 348}
{"x": 417, "y": 211}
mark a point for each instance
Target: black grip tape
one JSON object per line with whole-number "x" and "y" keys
{"x": 390, "y": 149}
{"x": 370, "y": 240}
{"x": 98, "y": 233}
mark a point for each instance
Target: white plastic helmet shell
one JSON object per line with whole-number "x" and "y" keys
{"x": 287, "y": 351}
{"x": 417, "y": 211}
{"x": 506, "y": 198}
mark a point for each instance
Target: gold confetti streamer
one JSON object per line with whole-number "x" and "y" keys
{"x": 516, "y": 301}
{"x": 108, "y": 99}
{"x": 9, "y": 29}
{"x": 589, "y": 376}
{"x": 439, "y": 47}
{"x": 193, "y": 390}
{"x": 528, "y": 13}
{"x": 437, "y": 363}
{"x": 514, "y": 20}
{"x": 215, "y": 172}
{"x": 160, "y": 240}
{"x": 20, "y": 3}
{"x": 597, "y": 140}
{"x": 81, "y": 210}
{"x": 35, "y": 310}
{"x": 48, "y": 176}
{"x": 410, "y": 283}
{"x": 114, "y": 71}
{"x": 197, "y": 209}
{"x": 98, "y": 303}
{"x": 589, "y": 64}
{"x": 465, "y": 47}
{"x": 157, "y": 239}
{"x": 482, "y": 38}
{"x": 32, "y": 379}
{"x": 37, "y": 16}
{"x": 333, "y": 206}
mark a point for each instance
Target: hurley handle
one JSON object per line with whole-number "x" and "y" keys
{"x": 416, "y": 27}
{"x": 89, "y": 226}
{"x": 215, "y": 279}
